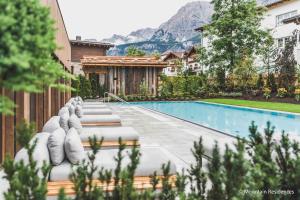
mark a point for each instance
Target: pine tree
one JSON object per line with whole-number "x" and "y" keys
{"x": 286, "y": 64}
{"x": 83, "y": 175}
{"x": 287, "y": 160}
{"x": 27, "y": 44}
{"x": 216, "y": 176}
{"x": 197, "y": 177}
{"x": 262, "y": 148}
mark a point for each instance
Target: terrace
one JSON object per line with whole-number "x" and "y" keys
{"x": 170, "y": 137}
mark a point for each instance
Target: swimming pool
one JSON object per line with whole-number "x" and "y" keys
{"x": 232, "y": 120}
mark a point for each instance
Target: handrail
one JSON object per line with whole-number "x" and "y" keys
{"x": 113, "y": 96}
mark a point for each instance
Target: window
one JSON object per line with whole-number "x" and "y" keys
{"x": 280, "y": 42}
{"x": 280, "y": 18}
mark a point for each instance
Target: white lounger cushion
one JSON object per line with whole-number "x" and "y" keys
{"x": 110, "y": 134}
{"x": 40, "y": 153}
{"x": 100, "y": 106}
{"x": 64, "y": 118}
{"x": 92, "y": 103}
{"x": 56, "y": 148}
{"x": 151, "y": 160}
{"x": 52, "y": 124}
{"x": 73, "y": 147}
{"x": 74, "y": 122}
{"x": 97, "y": 111}
{"x": 100, "y": 118}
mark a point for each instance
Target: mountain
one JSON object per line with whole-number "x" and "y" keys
{"x": 176, "y": 34}
{"x": 135, "y": 36}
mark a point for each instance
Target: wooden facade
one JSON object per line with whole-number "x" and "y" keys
{"x": 37, "y": 108}
{"x": 124, "y": 74}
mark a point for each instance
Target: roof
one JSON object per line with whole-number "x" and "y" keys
{"x": 91, "y": 43}
{"x": 176, "y": 54}
{"x": 122, "y": 61}
{"x": 294, "y": 19}
{"x": 269, "y": 3}
{"x": 193, "y": 50}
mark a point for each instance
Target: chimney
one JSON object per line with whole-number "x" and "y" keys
{"x": 78, "y": 37}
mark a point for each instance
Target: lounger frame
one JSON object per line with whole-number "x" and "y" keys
{"x": 140, "y": 183}
{"x": 128, "y": 143}
{"x": 101, "y": 123}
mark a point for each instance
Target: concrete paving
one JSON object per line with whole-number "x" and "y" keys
{"x": 174, "y": 136}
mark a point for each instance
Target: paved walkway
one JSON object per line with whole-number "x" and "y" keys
{"x": 174, "y": 136}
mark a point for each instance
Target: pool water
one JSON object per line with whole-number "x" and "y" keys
{"x": 227, "y": 119}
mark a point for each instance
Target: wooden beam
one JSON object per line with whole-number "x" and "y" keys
{"x": 140, "y": 183}
{"x": 101, "y": 123}
{"x": 114, "y": 143}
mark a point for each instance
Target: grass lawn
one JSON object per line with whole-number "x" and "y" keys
{"x": 287, "y": 107}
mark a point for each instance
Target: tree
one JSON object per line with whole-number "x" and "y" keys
{"x": 134, "y": 51}
{"x": 156, "y": 54}
{"x": 234, "y": 32}
{"x": 286, "y": 64}
{"x": 215, "y": 175}
{"x": 244, "y": 72}
{"x": 268, "y": 54}
{"x": 27, "y": 44}
{"x": 95, "y": 85}
{"x": 260, "y": 82}
{"x": 271, "y": 82}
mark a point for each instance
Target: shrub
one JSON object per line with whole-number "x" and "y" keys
{"x": 270, "y": 166}
{"x": 260, "y": 82}
{"x": 267, "y": 93}
{"x": 297, "y": 94}
{"x": 143, "y": 89}
{"x": 281, "y": 92}
{"x": 271, "y": 83}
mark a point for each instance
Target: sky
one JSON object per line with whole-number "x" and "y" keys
{"x": 99, "y": 19}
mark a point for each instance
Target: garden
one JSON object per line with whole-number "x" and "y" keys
{"x": 259, "y": 167}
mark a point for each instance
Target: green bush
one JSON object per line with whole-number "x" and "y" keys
{"x": 271, "y": 83}
{"x": 267, "y": 93}
{"x": 297, "y": 94}
{"x": 260, "y": 82}
{"x": 281, "y": 92}
{"x": 181, "y": 86}
{"x": 259, "y": 164}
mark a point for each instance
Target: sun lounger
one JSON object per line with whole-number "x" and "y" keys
{"x": 151, "y": 160}
{"x": 96, "y": 111}
{"x": 100, "y": 120}
{"x": 110, "y": 136}
{"x": 100, "y": 106}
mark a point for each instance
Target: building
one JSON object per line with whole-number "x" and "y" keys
{"x": 282, "y": 18}
{"x": 124, "y": 74}
{"x": 81, "y": 48}
{"x": 191, "y": 61}
{"x": 37, "y": 107}
{"x": 174, "y": 60}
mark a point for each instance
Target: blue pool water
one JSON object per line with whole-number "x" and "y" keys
{"x": 228, "y": 119}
